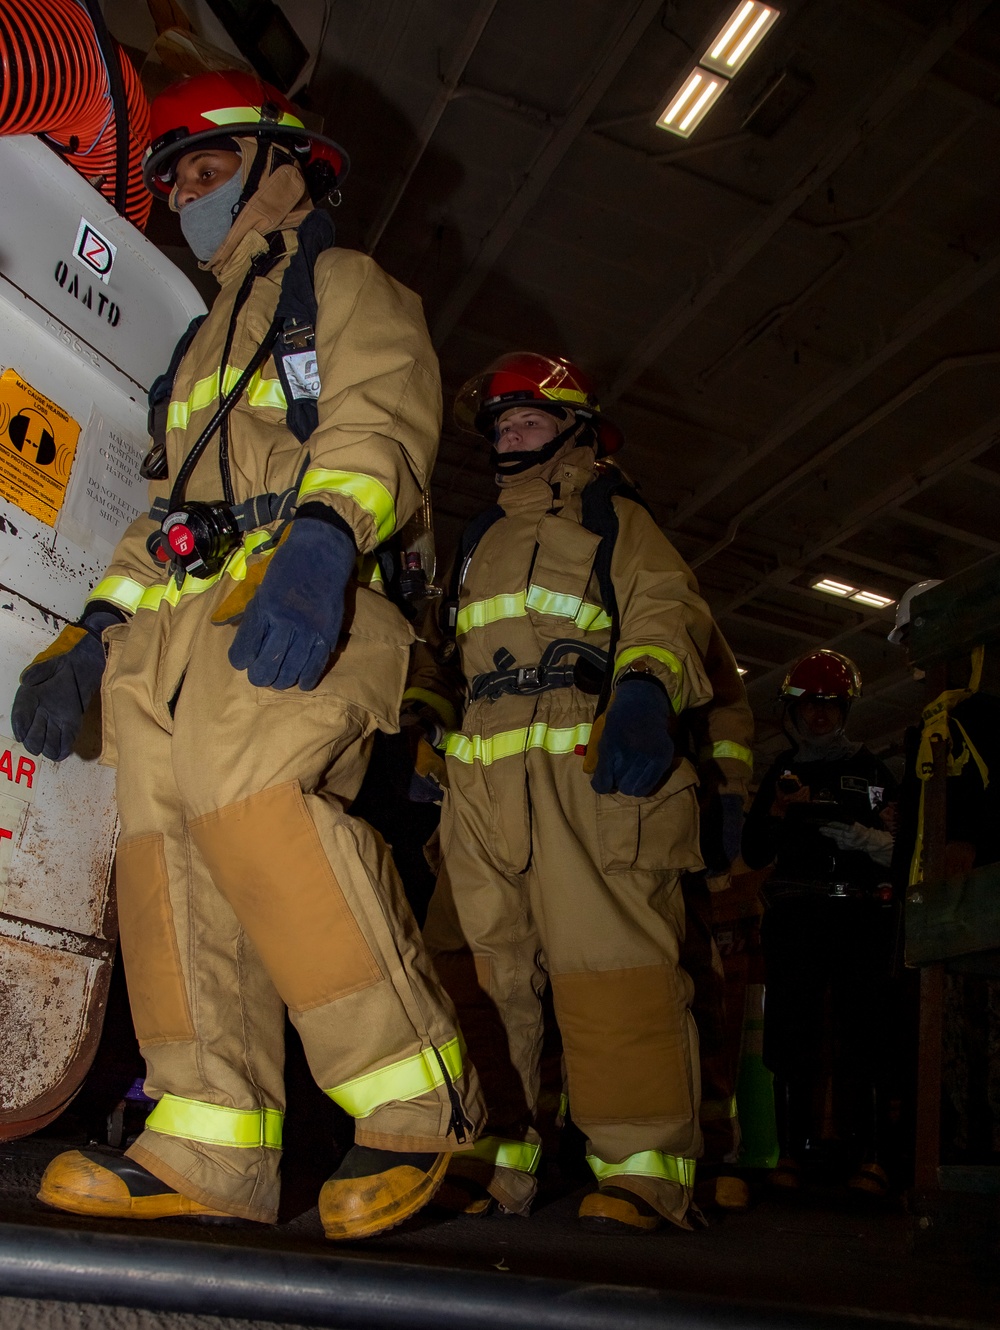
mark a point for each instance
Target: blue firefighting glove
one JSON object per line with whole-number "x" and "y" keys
{"x": 58, "y": 685}
{"x": 721, "y": 832}
{"x": 290, "y": 627}
{"x": 635, "y": 748}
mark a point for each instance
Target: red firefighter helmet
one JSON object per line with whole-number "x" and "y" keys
{"x": 522, "y": 377}
{"x": 230, "y": 103}
{"x": 823, "y": 674}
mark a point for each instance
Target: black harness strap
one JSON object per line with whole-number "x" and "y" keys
{"x": 547, "y": 675}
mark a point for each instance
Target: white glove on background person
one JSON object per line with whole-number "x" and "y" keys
{"x": 874, "y": 842}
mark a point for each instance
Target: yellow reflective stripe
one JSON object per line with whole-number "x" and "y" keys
{"x": 718, "y": 1110}
{"x": 552, "y": 602}
{"x": 508, "y": 1154}
{"x": 120, "y": 591}
{"x": 471, "y": 748}
{"x": 515, "y": 605}
{"x": 235, "y": 567}
{"x": 726, "y": 748}
{"x": 367, "y": 492}
{"x": 439, "y": 704}
{"x": 245, "y": 1128}
{"x": 647, "y": 1164}
{"x": 479, "y": 613}
{"x": 665, "y": 657}
{"x": 369, "y": 569}
{"x": 407, "y": 1079}
{"x": 247, "y": 115}
{"x": 260, "y": 392}
{"x": 565, "y": 394}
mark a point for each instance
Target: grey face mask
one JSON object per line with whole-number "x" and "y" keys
{"x": 206, "y": 221}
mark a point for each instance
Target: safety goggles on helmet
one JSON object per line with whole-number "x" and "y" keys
{"x": 523, "y": 378}
{"x": 823, "y": 675}
{"x": 903, "y": 614}
{"x": 229, "y": 102}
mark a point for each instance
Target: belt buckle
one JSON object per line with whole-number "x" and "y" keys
{"x": 529, "y": 676}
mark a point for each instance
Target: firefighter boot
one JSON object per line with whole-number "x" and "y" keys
{"x": 112, "y": 1186}
{"x": 374, "y": 1190}
{"x": 724, "y": 1192}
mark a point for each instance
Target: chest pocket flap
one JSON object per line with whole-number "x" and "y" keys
{"x": 563, "y": 567}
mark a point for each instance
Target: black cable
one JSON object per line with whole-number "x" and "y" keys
{"x": 119, "y": 102}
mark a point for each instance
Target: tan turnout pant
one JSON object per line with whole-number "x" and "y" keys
{"x": 244, "y": 887}
{"x": 542, "y": 880}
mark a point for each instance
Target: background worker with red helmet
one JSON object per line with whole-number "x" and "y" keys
{"x": 251, "y": 658}
{"x": 564, "y": 836}
{"x": 822, "y": 816}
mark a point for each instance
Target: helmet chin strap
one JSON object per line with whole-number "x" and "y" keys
{"x": 514, "y": 464}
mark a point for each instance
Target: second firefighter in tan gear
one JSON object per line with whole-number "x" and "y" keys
{"x": 244, "y": 887}
{"x": 544, "y": 880}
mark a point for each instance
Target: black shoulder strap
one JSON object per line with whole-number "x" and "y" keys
{"x": 599, "y": 516}
{"x": 297, "y": 308}
{"x": 467, "y": 543}
{"x": 154, "y": 466}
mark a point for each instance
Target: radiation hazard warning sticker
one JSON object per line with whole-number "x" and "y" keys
{"x": 37, "y": 445}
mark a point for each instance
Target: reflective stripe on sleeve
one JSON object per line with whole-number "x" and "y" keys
{"x": 367, "y": 492}
{"x": 726, "y": 748}
{"x": 469, "y": 748}
{"x": 120, "y": 591}
{"x": 588, "y": 618}
{"x": 439, "y": 704}
{"x": 521, "y": 1155}
{"x": 244, "y": 1128}
{"x": 260, "y": 392}
{"x": 647, "y": 1164}
{"x": 407, "y": 1079}
{"x": 665, "y": 657}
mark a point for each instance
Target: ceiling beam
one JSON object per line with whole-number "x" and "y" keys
{"x": 947, "y": 530}
{"x": 812, "y": 406}
{"x": 613, "y": 57}
{"x": 886, "y": 502}
{"x": 862, "y": 121}
{"x": 439, "y": 104}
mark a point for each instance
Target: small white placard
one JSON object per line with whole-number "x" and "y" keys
{"x": 105, "y": 490}
{"x": 94, "y": 251}
{"x": 303, "y": 374}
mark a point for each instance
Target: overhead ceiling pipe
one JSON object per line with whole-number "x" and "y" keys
{"x": 357, "y": 1294}
{"x": 63, "y": 78}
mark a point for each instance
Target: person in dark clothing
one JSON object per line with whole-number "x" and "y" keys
{"x": 820, "y": 817}
{"x": 970, "y": 1118}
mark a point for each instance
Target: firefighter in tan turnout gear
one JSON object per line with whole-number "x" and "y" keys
{"x": 563, "y": 839}
{"x": 250, "y": 660}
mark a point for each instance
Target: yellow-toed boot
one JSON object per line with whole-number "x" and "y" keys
{"x": 374, "y": 1190}
{"x": 92, "y": 1182}
{"x": 618, "y": 1211}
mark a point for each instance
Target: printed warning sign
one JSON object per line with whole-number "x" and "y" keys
{"x": 18, "y": 777}
{"x": 37, "y": 445}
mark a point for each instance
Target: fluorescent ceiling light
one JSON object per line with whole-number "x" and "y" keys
{"x": 688, "y": 107}
{"x": 739, "y": 37}
{"x": 834, "y": 588}
{"x": 873, "y": 598}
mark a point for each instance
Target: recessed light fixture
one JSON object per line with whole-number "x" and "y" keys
{"x": 873, "y": 598}
{"x": 727, "y": 53}
{"x": 739, "y": 37}
{"x": 847, "y": 592}
{"x": 688, "y": 107}
{"x": 834, "y": 588}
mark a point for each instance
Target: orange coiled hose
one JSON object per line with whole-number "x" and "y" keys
{"x": 53, "y": 82}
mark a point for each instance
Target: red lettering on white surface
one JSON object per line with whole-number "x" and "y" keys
{"x": 6, "y": 835}
{"x": 25, "y": 768}
{"x": 6, "y": 766}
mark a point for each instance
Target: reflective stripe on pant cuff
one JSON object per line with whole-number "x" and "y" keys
{"x": 521, "y": 1155}
{"x": 213, "y": 1124}
{"x": 647, "y": 1164}
{"x": 407, "y": 1079}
